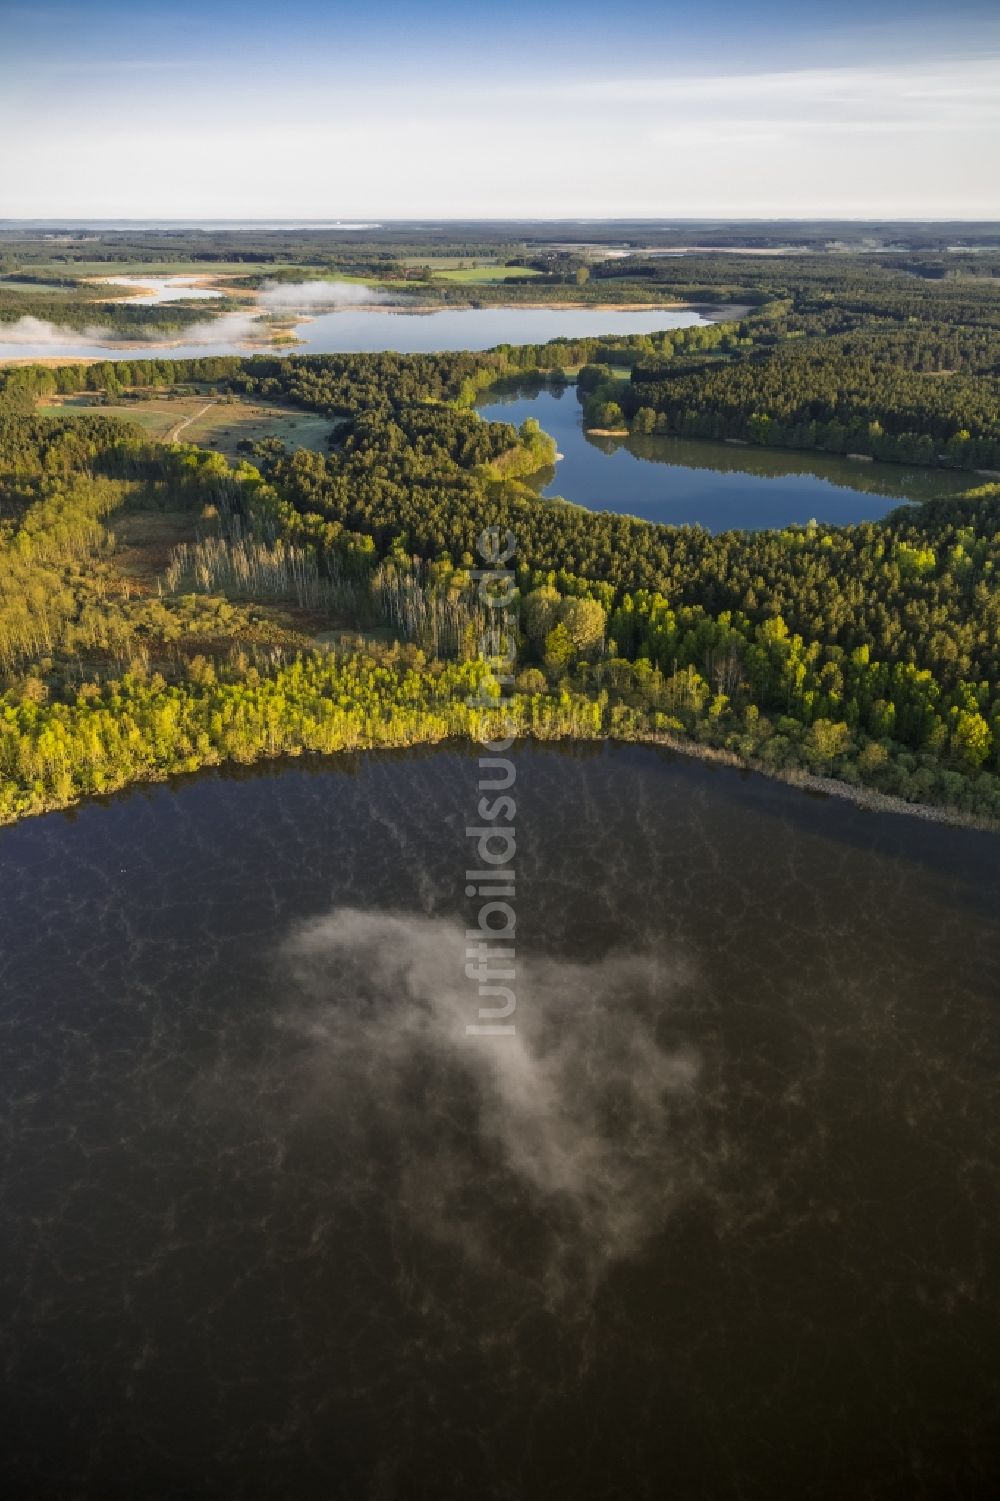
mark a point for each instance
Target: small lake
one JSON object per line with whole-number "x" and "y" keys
{"x": 356, "y": 330}
{"x": 157, "y": 289}
{"x": 720, "y": 486}
{"x": 720, "y": 1221}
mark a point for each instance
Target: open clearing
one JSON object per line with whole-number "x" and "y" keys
{"x": 34, "y": 288}
{"x": 144, "y": 541}
{"x": 205, "y": 420}
{"x": 486, "y": 273}
{"x": 225, "y": 424}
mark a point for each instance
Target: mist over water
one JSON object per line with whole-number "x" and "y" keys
{"x": 719, "y": 1220}
{"x": 574, "y": 1111}
{"x": 38, "y": 334}
{"x": 35, "y": 338}
{"x": 357, "y": 320}
{"x": 303, "y": 295}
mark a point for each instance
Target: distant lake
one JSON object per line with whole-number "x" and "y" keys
{"x": 478, "y": 328}
{"x": 156, "y": 289}
{"x": 357, "y": 330}
{"x": 719, "y": 1222}
{"x": 721, "y": 486}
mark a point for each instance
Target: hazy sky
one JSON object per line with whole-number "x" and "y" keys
{"x": 274, "y": 108}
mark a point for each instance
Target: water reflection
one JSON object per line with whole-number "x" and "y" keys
{"x": 717, "y": 485}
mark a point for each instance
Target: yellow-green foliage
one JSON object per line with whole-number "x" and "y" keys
{"x": 132, "y": 730}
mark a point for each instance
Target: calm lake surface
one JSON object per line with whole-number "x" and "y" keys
{"x": 358, "y": 330}
{"x": 720, "y": 1221}
{"x": 155, "y": 289}
{"x": 719, "y": 485}
{"x": 478, "y": 328}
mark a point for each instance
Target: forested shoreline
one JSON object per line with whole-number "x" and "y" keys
{"x": 320, "y": 601}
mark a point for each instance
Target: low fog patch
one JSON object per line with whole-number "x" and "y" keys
{"x": 230, "y": 329}
{"x": 36, "y": 335}
{"x": 585, "y": 1120}
{"x": 40, "y": 331}
{"x": 302, "y": 296}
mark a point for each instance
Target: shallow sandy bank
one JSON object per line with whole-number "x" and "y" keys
{"x": 862, "y": 797}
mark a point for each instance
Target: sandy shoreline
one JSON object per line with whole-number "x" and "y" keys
{"x": 868, "y": 798}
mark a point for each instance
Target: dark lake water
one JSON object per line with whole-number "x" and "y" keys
{"x": 719, "y": 485}
{"x": 356, "y": 330}
{"x": 719, "y": 1221}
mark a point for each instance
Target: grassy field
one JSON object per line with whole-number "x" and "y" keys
{"x": 485, "y": 273}
{"x": 34, "y": 288}
{"x": 219, "y": 425}
{"x": 435, "y": 262}
{"x": 157, "y": 417}
{"x": 224, "y": 425}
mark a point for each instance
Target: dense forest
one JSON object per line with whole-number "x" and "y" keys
{"x": 325, "y": 600}
{"x": 848, "y": 394}
{"x": 803, "y": 276}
